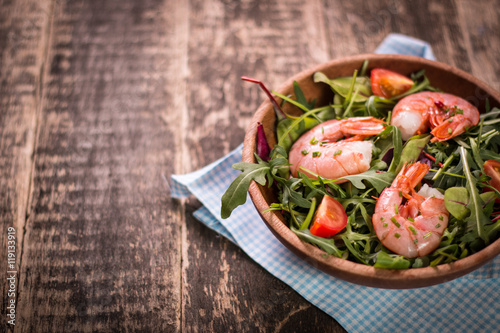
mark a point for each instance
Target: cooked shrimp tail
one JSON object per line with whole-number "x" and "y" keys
{"x": 446, "y": 115}
{"x": 451, "y": 128}
{"x": 410, "y": 223}
{"x": 409, "y": 177}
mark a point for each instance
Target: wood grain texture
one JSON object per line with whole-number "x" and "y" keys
{"x": 103, "y": 241}
{"x": 464, "y": 34}
{"x": 23, "y": 36}
{"x": 101, "y": 101}
{"x": 480, "y": 22}
{"x": 224, "y": 290}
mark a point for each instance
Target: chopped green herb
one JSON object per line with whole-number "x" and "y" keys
{"x": 411, "y": 219}
{"x": 441, "y": 217}
{"x": 438, "y": 225}
{"x": 316, "y": 154}
{"x": 396, "y": 209}
{"x": 385, "y": 224}
{"x": 413, "y": 231}
{"x": 397, "y": 235}
{"x": 304, "y": 152}
{"x": 396, "y": 223}
{"x": 338, "y": 152}
{"x": 313, "y": 141}
{"x": 450, "y": 131}
{"x": 427, "y": 235}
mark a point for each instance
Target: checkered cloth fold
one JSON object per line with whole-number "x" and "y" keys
{"x": 467, "y": 304}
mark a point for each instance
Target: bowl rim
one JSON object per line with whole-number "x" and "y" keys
{"x": 348, "y": 270}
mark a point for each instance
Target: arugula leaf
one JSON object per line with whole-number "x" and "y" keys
{"x": 309, "y": 183}
{"x": 412, "y": 149}
{"x": 440, "y": 151}
{"x": 398, "y": 148}
{"x": 328, "y": 112}
{"x": 385, "y": 260}
{"x": 493, "y": 229}
{"x": 378, "y": 180}
{"x": 489, "y": 155}
{"x": 477, "y": 219}
{"x": 367, "y": 218}
{"x": 476, "y": 154}
{"x": 291, "y": 195}
{"x": 338, "y": 101}
{"x": 378, "y": 165}
{"x": 297, "y": 121}
{"x": 383, "y": 143}
{"x": 354, "y": 201}
{"x": 494, "y": 113}
{"x": 287, "y": 136}
{"x": 354, "y": 251}
{"x": 489, "y": 200}
{"x": 374, "y": 105}
{"x": 364, "y": 68}
{"x": 236, "y": 194}
{"x": 327, "y": 245}
{"x": 309, "y": 216}
{"x": 279, "y": 150}
{"x": 299, "y": 95}
{"x": 342, "y": 86}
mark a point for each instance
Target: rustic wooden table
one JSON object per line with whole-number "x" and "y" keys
{"x": 101, "y": 101}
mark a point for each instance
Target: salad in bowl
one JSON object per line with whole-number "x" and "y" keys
{"x": 381, "y": 170}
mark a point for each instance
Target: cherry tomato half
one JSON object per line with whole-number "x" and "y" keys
{"x": 330, "y": 218}
{"x": 492, "y": 169}
{"x": 387, "y": 84}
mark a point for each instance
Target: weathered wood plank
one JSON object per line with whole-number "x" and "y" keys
{"x": 134, "y": 91}
{"x": 480, "y": 21}
{"x": 357, "y": 27}
{"x": 23, "y": 36}
{"x": 103, "y": 240}
{"x": 223, "y": 289}
{"x": 462, "y": 33}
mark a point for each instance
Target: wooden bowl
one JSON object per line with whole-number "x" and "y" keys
{"x": 443, "y": 76}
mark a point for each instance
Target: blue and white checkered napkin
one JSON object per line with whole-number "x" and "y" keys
{"x": 467, "y": 304}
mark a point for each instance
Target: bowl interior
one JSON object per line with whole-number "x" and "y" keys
{"x": 442, "y": 76}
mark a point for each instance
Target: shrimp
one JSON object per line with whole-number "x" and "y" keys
{"x": 412, "y": 229}
{"x": 322, "y": 151}
{"x": 446, "y": 115}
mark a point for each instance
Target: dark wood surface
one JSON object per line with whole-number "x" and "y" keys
{"x": 101, "y": 101}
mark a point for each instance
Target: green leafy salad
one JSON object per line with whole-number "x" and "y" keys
{"x": 336, "y": 214}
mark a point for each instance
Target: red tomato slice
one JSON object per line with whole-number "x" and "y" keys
{"x": 492, "y": 169}
{"x": 387, "y": 84}
{"x": 330, "y": 218}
